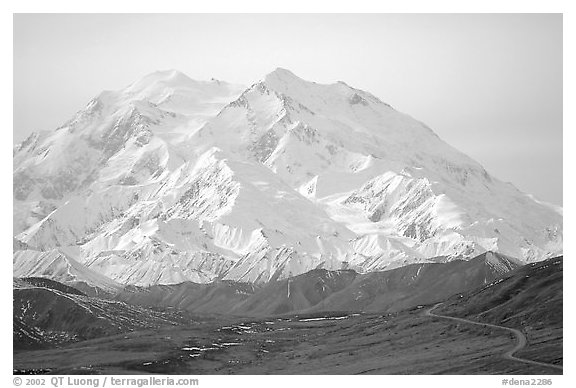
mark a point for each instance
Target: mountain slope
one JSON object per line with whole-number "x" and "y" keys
{"x": 418, "y": 284}
{"x": 46, "y": 312}
{"x": 320, "y": 290}
{"x": 529, "y": 299}
{"x": 171, "y": 180}
{"x": 533, "y": 292}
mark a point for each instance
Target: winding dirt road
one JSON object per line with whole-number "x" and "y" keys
{"x": 520, "y": 338}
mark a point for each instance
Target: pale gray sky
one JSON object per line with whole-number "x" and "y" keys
{"x": 489, "y": 84}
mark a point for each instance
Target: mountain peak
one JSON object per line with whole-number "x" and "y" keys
{"x": 286, "y": 82}
{"x": 161, "y": 77}
{"x": 282, "y": 72}
{"x": 309, "y": 175}
{"x": 282, "y": 75}
{"x": 171, "y": 74}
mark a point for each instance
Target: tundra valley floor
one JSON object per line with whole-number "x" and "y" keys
{"x": 409, "y": 342}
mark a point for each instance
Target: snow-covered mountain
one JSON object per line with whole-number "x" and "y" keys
{"x": 172, "y": 179}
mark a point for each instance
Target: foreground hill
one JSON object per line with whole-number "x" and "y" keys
{"x": 322, "y": 290}
{"x": 418, "y": 284}
{"x": 529, "y": 299}
{"x": 404, "y": 342}
{"x": 48, "y": 313}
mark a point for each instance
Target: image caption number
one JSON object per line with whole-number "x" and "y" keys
{"x": 541, "y": 381}
{"x": 35, "y": 381}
